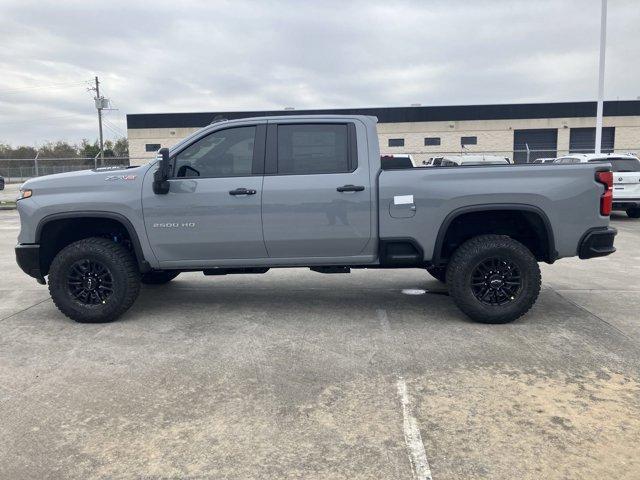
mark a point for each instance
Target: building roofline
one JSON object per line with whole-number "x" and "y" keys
{"x": 515, "y": 111}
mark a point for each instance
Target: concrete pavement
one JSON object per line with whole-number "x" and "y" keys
{"x": 295, "y": 374}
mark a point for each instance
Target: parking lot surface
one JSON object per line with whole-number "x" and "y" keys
{"x": 296, "y": 374}
{"x": 9, "y": 193}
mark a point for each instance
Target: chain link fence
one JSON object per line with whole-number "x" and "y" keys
{"x": 514, "y": 156}
{"x": 15, "y": 170}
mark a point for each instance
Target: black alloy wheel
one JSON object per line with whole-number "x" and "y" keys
{"x": 90, "y": 282}
{"x": 496, "y": 281}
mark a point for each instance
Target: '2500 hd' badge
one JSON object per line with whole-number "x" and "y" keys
{"x": 175, "y": 225}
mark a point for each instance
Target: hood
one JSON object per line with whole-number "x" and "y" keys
{"x": 85, "y": 178}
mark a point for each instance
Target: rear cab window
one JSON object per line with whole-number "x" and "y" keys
{"x": 308, "y": 149}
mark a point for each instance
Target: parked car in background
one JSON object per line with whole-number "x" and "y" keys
{"x": 544, "y": 160}
{"x": 626, "y": 177}
{"x": 1, "y": 182}
{"x": 459, "y": 160}
{"x": 392, "y": 161}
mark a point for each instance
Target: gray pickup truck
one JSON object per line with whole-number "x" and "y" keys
{"x": 248, "y": 195}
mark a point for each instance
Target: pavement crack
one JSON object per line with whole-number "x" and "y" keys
{"x": 621, "y": 332}
{"x": 24, "y": 309}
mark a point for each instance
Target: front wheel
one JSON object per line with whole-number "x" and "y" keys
{"x": 493, "y": 279}
{"x": 633, "y": 212}
{"x": 94, "y": 280}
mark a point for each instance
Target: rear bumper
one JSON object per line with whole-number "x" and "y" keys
{"x": 28, "y": 258}
{"x": 624, "y": 203}
{"x": 597, "y": 242}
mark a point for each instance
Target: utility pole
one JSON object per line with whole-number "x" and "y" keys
{"x": 603, "y": 42}
{"x": 99, "y": 106}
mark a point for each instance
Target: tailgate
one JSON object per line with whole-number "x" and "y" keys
{"x": 626, "y": 185}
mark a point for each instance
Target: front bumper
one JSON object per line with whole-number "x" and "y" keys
{"x": 28, "y": 258}
{"x": 597, "y": 242}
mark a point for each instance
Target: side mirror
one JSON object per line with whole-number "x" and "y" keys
{"x": 160, "y": 182}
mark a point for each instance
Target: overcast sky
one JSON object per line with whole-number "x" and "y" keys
{"x": 176, "y": 56}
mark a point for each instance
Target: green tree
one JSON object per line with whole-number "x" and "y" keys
{"x": 58, "y": 149}
{"x": 88, "y": 150}
{"x": 23, "y": 152}
{"x": 121, "y": 147}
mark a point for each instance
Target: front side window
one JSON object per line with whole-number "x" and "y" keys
{"x": 312, "y": 149}
{"x": 225, "y": 153}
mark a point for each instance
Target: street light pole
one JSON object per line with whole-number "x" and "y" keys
{"x": 603, "y": 43}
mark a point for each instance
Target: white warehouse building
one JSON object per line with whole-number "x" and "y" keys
{"x": 522, "y": 132}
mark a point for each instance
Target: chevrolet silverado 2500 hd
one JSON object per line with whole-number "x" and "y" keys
{"x": 247, "y": 195}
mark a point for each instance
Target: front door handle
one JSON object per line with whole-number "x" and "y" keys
{"x": 350, "y": 188}
{"x": 242, "y": 191}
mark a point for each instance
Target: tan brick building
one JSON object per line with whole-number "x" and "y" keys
{"x": 520, "y": 131}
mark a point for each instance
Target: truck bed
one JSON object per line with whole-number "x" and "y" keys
{"x": 422, "y": 201}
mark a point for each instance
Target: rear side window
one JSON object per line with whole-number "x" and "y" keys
{"x": 313, "y": 148}
{"x": 621, "y": 164}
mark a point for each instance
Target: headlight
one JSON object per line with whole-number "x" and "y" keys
{"x": 25, "y": 194}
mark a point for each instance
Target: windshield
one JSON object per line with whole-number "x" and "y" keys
{"x": 621, "y": 164}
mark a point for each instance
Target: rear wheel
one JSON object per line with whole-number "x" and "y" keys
{"x": 493, "y": 279}
{"x": 439, "y": 273}
{"x": 633, "y": 212}
{"x": 159, "y": 277}
{"x": 94, "y": 280}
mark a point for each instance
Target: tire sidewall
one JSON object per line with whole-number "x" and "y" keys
{"x": 78, "y": 311}
{"x": 633, "y": 212}
{"x": 460, "y": 283}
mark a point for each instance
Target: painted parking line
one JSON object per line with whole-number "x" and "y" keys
{"x": 419, "y": 463}
{"x": 412, "y": 438}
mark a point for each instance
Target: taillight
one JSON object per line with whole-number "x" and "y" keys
{"x": 606, "y": 200}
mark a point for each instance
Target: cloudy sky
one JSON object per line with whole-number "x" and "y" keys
{"x": 174, "y": 56}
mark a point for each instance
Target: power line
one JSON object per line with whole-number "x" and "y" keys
{"x": 35, "y": 87}
{"x": 114, "y": 128}
{"x": 37, "y": 119}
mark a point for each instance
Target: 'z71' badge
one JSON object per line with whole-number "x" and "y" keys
{"x": 175, "y": 225}
{"x": 113, "y": 178}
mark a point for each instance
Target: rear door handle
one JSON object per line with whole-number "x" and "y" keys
{"x": 242, "y": 191}
{"x": 350, "y": 188}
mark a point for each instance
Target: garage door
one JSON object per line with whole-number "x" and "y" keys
{"x": 583, "y": 140}
{"x": 540, "y": 142}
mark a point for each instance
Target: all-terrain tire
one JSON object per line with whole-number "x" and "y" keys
{"x": 122, "y": 269}
{"x": 633, "y": 212}
{"x": 467, "y": 261}
{"x": 158, "y": 277}
{"x": 439, "y": 273}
